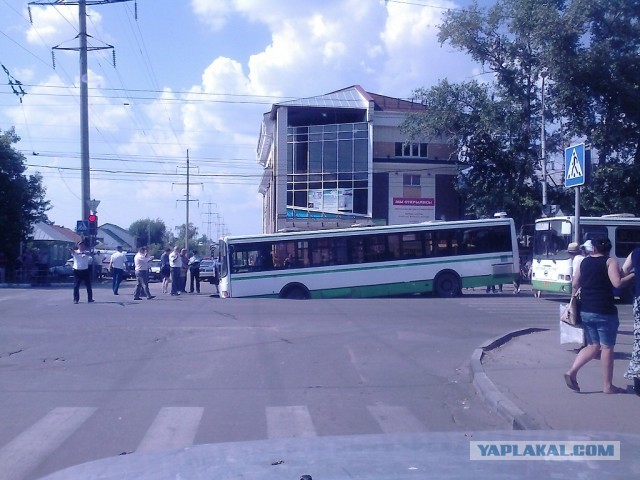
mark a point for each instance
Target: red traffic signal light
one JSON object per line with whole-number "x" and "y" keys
{"x": 93, "y": 224}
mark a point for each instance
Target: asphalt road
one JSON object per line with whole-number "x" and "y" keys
{"x": 88, "y": 381}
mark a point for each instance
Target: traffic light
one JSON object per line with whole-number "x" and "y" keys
{"x": 93, "y": 224}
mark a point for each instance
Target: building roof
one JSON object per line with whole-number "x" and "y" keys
{"x": 354, "y": 97}
{"x": 56, "y": 233}
{"x": 113, "y": 235}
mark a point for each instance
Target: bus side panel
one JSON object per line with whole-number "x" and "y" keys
{"x": 376, "y": 280}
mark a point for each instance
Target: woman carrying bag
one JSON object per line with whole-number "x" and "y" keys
{"x": 597, "y": 276}
{"x": 631, "y": 264}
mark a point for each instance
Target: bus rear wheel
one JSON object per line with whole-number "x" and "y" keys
{"x": 294, "y": 292}
{"x": 447, "y": 284}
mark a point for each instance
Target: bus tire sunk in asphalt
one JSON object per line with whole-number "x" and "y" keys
{"x": 295, "y": 291}
{"x": 447, "y": 284}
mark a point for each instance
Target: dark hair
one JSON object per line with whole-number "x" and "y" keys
{"x": 602, "y": 244}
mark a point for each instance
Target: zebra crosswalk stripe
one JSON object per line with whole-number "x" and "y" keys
{"x": 173, "y": 427}
{"x": 32, "y": 446}
{"x": 394, "y": 419}
{"x": 289, "y": 422}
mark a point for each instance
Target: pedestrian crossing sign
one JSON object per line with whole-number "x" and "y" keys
{"x": 576, "y": 165}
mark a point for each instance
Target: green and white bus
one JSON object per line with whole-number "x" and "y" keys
{"x": 551, "y": 269}
{"x": 438, "y": 257}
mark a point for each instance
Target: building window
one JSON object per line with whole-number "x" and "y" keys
{"x": 411, "y": 180}
{"x": 416, "y": 150}
{"x": 329, "y": 168}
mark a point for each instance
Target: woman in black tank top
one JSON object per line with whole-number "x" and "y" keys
{"x": 597, "y": 276}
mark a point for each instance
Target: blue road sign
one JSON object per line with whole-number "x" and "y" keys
{"x": 82, "y": 226}
{"x": 576, "y": 167}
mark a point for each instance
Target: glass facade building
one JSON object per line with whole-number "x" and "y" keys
{"x": 328, "y": 170}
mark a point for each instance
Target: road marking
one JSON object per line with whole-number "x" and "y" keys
{"x": 396, "y": 419}
{"x": 32, "y": 446}
{"x": 173, "y": 427}
{"x": 289, "y": 422}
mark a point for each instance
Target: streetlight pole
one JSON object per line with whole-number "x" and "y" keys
{"x": 543, "y": 152}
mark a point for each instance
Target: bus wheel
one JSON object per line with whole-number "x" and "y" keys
{"x": 447, "y": 284}
{"x": 295, "y": 292}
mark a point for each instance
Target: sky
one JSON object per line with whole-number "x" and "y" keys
{"x": 192, "y": 79}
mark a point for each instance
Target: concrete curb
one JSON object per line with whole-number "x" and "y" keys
{"x": 489, "y": 392}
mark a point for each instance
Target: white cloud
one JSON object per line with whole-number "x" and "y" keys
{"x": 57, "y": 24}
{"x": 312, "y": 47}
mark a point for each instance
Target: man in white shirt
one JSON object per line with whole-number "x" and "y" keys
{"x": 116, "y": 267}
{"x": 81, "y": 273}
{"x": 141, "y": 262}
{"x": 175, "y": 262}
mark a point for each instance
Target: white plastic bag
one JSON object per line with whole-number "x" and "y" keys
{"x": 571, "y": 333}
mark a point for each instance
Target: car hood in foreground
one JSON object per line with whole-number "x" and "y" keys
{"x": 371, "y": 457}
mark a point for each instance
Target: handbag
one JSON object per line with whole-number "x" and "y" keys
{"x": 570, "y": 313}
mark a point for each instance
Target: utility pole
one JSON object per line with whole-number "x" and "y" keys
{"x": 85, "y": 168}
{"x": 209, "y": 214}
{"x": 188, "y": 199}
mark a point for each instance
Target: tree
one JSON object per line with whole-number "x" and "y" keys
{"x": 494, "y": 172}
{"x": 587, "y": 50}
{"x": 22, "y": 202}
{"x": 597, "y": 80}
{"x": 193, "y": 234}
{"x": 148, "y": 231}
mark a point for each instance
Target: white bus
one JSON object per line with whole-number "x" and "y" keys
{"x": 438, "y": 257}
{"x": 551, "y": 265}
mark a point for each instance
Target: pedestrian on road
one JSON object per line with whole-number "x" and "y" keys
{"x": 81, "y": 272}
{"x": 597, "y": 276}
{"x": 631, "y": 264}
{"x": 194, "y": 271}
{"x": 165, "y": 270}
{"x": 116, "y": 267}
{"x": 175, "y": 263}
{"x": 141, "y": 262}
{"x": 184, "y": 256}
{"x": 575, "y": 252}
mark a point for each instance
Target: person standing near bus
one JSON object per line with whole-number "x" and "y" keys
{"x": 81, "y": 272}
{"x": 175, "y": 263}
{"x": 631, "y": 264}
{"x": 184, "y": 256}
{"x": 116, "y": 267}
{"x": 194, "y": 271}
{"x": 141, "y": 262}
{"x": 165, "y": 270}
{"x": 597, "y": 276}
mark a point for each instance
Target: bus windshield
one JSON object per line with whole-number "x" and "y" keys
{"x": 551, "y": 239}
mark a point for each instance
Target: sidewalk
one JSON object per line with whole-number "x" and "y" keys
{"x": 520, "y": 375}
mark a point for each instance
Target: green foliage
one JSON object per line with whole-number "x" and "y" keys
{"x": 148, "y": 232}
{"x": 613, "y": 189}
{"x": 588, "y": 52}
{"x": 22, "y": 201}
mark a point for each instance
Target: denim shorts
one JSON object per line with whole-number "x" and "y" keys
{"x": 600, "y": 328}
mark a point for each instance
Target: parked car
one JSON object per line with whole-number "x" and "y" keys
{"x": 129, "y": 266}
{"x": 154, "y": 270}
{"x": 207, "y": 271}
{"x": 65, "y": 270}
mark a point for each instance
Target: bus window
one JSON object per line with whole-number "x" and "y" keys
{"x": 627, "y": 238}
{"x": 412, "y": 245}
{"x": 376, "y": 248}
{"x": 321, "y": 252}
{"x": 393, "y": 245}
{"x": 356, "y": 250}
